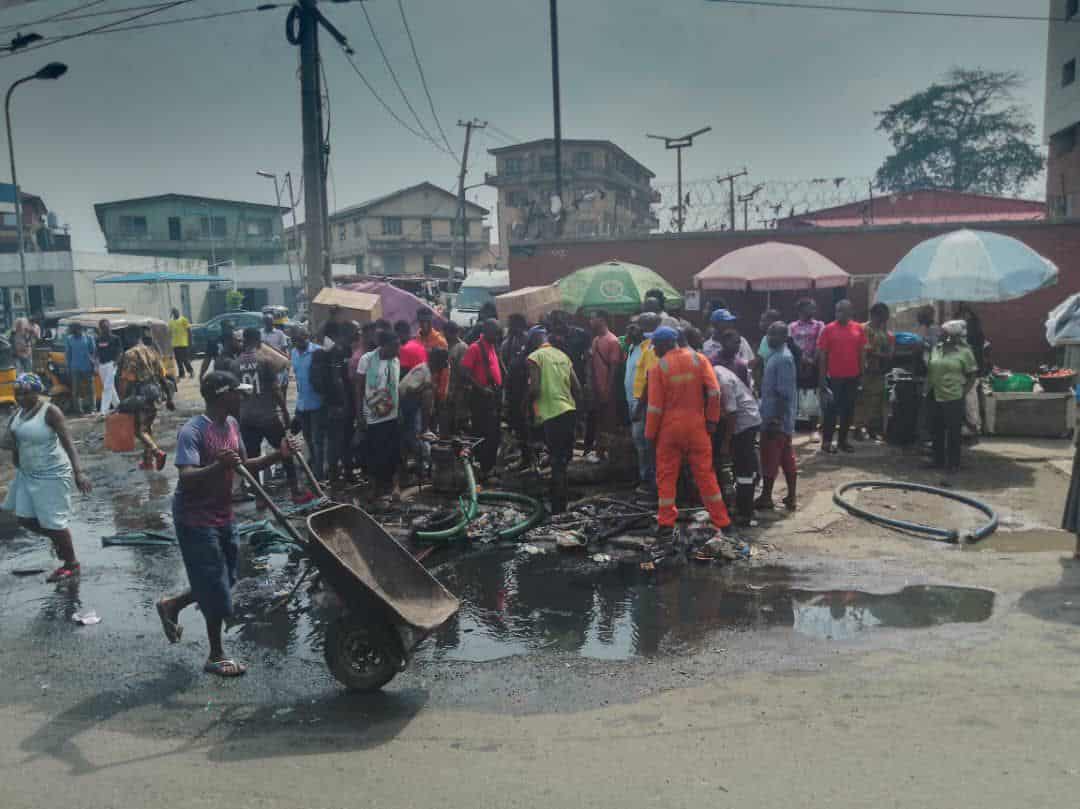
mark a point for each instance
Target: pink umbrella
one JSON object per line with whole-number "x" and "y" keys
{"x": 771, "y": 267}
{"x": 397, "y": 303}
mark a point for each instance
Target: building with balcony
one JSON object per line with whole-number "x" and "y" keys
{"x": 1061, "y": 125}
{"x": 40, "y": 227}
{"x": 217, "y": 231}
{"x": 403, "y": 233}
{"x": 605, "y": 192}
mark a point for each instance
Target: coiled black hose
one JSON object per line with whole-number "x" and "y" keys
{"x": 946, "y": 534}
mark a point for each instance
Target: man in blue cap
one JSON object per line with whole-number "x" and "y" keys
{"x": 723, "y": 319}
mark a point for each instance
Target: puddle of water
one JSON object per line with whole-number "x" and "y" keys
{"x": 1032, "y": 540}
{"x": 514, "y": 605}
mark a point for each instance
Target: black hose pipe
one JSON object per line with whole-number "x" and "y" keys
{"x": 946, "y": 534}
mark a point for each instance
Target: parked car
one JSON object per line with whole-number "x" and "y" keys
{"x": 202, "y": 334}
{"x": 480, "y": 287}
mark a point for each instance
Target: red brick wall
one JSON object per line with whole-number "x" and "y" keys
{"x": 1016, "y": 329}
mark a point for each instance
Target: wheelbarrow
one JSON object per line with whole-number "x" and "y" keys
{"x": 389, "y": 601}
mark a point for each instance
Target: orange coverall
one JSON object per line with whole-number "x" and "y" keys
{"x": 683, "y": 395}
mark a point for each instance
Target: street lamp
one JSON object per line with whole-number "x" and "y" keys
{"x": 53, "y": 70}
{"x": 277, "y": 193}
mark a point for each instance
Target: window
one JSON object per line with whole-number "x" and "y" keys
{"x": 174, "y": 228}
{"x": 393, "y": 265}
{"x": 359, "y": 265}
{"x": 292, "y": 243}
{"x": 428, "y": 261}
{"x": 133, "y": 225}
{"x": 455, "y": 227}
{"x": 1071, "y": 8}
{"x": 263, "y": 228}
{"x": 1068, "y": 73}
{"x": 425, "y": 232}
{"x": 517, "y": 199}
{"x": 622, "y": 199}
{"x": 1063, "y": 142}
{"x": 513, "y": 165}
{"x": 583, "y": 161}
{"x": 391, "y": 226}
{"x": 358, "y": 228}
{"x": 213, "y": 226}
{"x": 547, "y": 164}
{"x": 341, "y": 232}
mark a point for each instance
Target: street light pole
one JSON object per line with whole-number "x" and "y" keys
{"x": 277, "y": 193}
{"x": 678, "y": 144}
{"x": 53, "y": 70}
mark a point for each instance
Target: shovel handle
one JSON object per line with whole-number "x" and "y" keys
{"x": 261, "y": 492}
{"x": 299, "y": 456}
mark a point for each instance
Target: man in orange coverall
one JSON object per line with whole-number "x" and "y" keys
{"x": 684, "y": 408}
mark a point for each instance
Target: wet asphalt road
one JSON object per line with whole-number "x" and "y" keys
{"x": 536, "y": 633}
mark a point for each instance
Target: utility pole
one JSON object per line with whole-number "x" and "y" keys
{"x": 678, "y": 144}
{"x": 295, "y": 227}
{"x": 316, "y": 228}
{"x": 746, "y": 199}
{"x": 730, "y": 179}
{"x": 556, "y": 203}
{"x": 463, "y": 219}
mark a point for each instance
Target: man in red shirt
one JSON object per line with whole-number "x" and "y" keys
{"x": 840, "y": 361}
{"x": 412, "y": 351}
{"x": 482, "y": 377}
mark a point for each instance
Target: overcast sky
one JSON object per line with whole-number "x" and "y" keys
{"x": 197, "y": 108}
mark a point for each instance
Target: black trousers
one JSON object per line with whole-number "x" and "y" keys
{"x": 484, "y": 414}
{"x": 183, "y": 362}
{"x": 947, "y": 419}
{"x": 744, "y": 454}
{"x": 253, "y": 433}
{"x": 841, "y": 407}
{"x": 559, "y": 437}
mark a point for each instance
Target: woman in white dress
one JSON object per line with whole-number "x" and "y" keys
{"x": 47, "y": 471}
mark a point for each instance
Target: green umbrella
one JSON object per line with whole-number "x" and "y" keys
{"x": 616, "y": 286}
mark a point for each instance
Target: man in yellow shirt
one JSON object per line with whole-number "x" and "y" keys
{"x": 180, "y": 334}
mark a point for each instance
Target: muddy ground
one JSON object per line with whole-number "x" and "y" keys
{"x": 844, "y": 662}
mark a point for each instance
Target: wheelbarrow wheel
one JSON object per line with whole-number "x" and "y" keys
{"x": 361, "y": 657}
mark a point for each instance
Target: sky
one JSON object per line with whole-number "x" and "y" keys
{"x": 197, "y": 108}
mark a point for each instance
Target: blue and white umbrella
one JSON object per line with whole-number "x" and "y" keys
{"x": 967, "y": 265}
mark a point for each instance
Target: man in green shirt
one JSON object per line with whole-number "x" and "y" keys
{"x": 950, "y": 375}
{"x": 554, "y": 391}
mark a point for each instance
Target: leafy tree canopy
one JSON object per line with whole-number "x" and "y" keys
{"x": 964, "y": 133}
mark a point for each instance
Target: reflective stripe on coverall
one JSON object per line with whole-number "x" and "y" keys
{"x": 683, "y": 395}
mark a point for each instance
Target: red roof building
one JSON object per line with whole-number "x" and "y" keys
{"x": 930, "y": 206}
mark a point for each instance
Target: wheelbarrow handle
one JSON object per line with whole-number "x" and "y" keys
{"x": 261, "y": 492}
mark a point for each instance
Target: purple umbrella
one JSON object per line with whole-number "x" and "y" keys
{"x": 397, "y": 304}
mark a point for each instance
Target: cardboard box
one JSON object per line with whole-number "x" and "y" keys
{"x": 533, "y": 302}
{"x": 342, "y": 305}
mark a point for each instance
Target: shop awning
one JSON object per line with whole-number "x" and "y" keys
{"x": 162, "y": 278}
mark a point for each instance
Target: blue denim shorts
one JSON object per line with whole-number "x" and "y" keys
{"x": 210, "y": 554}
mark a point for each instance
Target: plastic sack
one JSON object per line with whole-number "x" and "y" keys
{"x": 1063, "y": 322}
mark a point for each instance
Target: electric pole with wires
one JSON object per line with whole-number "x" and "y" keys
{"x": 678, "y": 144}
{"x": 302, "y": 29}
{"x": 463, "y": 219}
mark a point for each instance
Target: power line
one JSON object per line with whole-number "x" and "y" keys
{"x": 393, "y": 74}
{"x": 504, "y": 134}
{"x": 389, "y": 109}
{"x": 71, "y": 16}
{"x": 423, "y": 79}
{"x": 903, "y": 12}
{"x": 118, "y": 26}
{"x": 105, "y": 28}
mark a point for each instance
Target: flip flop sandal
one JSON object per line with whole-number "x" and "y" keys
{"x": 225, "y": 668}
{"x": 173, "y": 631}
{"x": 63, "y": 574}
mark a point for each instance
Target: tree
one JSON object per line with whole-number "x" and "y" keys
{"x": 964, "y": 133}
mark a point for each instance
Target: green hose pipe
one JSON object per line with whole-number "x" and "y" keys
{"x": 535, "y": 512}
{"x": 467, "y": 514}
